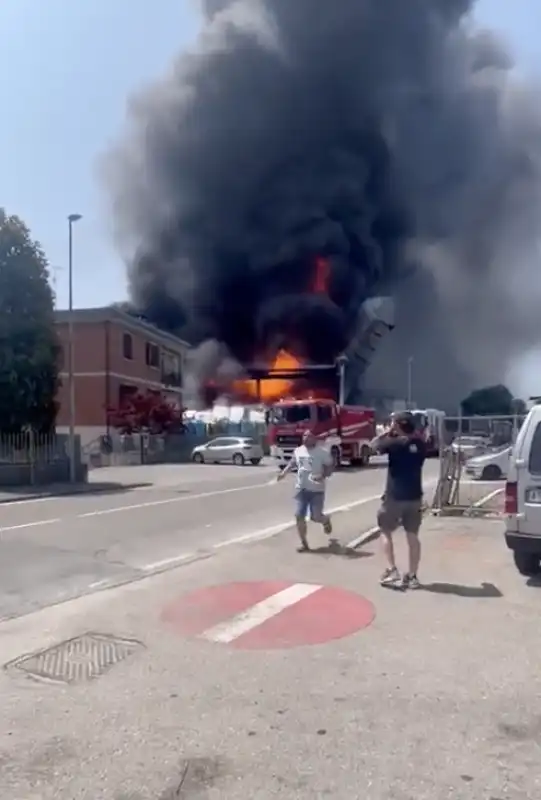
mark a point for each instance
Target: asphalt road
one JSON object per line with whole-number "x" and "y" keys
{"x": 437, "y": 699}
{"x": 54, "y": 549}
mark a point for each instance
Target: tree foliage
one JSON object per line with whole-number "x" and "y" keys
{"x": 492, "y": 401}
{"x": 29, "y": 351}
{"x": 146, "y": 412}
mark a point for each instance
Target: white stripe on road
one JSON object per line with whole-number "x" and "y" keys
{"x": 170, "y": 500}
{"x": 363, "y": 538}
{"x": 367, "y": 536}
{"x": 232, "y": 629}
{"x": 248, "y": 538}
{"x": 488, "y": 497}
{"x": 29, "y": 525}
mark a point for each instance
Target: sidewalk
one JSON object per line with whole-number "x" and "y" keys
{"x": 105, "y": 479}
{"x": 436, "y": 697}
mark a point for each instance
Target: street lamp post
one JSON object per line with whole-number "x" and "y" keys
{"x": 410, "y": 381}
{"x": 71, "y": 382}
{"x": 341, "y": 362}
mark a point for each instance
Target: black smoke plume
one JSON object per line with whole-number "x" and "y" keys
{"x": 392, "y": 137}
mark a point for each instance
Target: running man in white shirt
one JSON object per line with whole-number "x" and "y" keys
{"x": 314, "y": 465}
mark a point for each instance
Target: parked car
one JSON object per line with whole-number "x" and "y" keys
{"x": 523, "y": 497}
{"x": 470, "y": 446}
{"x": 490, "y": 466}
{"x": 235, "y": 449}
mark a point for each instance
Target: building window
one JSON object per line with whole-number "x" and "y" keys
{"x": 152, "y": 355}
{"x": 127, "y": 346}
{"x": 126, "y": 392}
{"x": 171, "y": 373}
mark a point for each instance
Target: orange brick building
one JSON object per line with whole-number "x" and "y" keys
{"x": 114, "y": 355}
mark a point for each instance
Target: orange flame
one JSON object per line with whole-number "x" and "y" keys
{"x": 321, "y": 276}
{"x": 271, "y": 388}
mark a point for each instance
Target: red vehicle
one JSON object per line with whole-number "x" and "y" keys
{"x": 345, "y": 430}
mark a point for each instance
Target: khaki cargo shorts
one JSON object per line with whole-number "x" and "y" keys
{"x": 396, "y": 513}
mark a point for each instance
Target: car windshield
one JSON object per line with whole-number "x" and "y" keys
{"x": 290, "y": 414}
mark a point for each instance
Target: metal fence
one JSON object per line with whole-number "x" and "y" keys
{"x": 143, "y": 448}
{"x": 464, "y": 438}
{"x": 30, "y": 458}
{"x": 30, "y": 447}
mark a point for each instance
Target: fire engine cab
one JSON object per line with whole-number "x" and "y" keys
{"x": 345, "y": 430}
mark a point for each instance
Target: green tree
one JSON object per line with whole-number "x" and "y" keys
{"x": 29, "y": 351}
{"x": 492, "y": 401}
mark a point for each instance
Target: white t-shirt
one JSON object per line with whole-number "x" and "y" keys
{"x": 310, "y": 462}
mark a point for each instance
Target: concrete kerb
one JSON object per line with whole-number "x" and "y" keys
{"x": 474, "y": 510}
{"x": 61, "y": 491}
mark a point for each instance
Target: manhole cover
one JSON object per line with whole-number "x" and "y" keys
{"x": 76, "y": 660}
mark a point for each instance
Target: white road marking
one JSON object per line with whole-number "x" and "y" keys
{"x": 475, "y": 482}
{"x": 488, "y": 497}
{"x": 168, "y": 562}
{"x": 254, "y": 536}
{"x": 364, "y": 537}
{"x": 29, "y": 525}
{"x": 98, "y": 584}
{"x": 103, "y": 511}
{"x": 232, "y": 629}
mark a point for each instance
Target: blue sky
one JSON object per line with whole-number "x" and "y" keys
{"x": 66, "y": 70}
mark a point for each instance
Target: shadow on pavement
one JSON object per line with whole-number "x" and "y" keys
{"x": 484, "y": 590}
{"x": 10, "y": 494}
{"x": 334, "y": 548}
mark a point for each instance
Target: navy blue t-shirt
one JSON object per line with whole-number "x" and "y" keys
{"x": 404, "y": 474}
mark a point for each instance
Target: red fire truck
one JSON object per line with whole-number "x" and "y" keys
{"x": 345, "y": 430}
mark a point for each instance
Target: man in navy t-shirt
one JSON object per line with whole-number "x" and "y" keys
{"x": 403, "y": 498}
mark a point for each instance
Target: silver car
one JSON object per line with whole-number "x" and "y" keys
{"x": 471, "y": 446}
{"x": 235, "y": 449}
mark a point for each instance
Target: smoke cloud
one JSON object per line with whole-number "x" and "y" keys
{"x": 392, "y": 137}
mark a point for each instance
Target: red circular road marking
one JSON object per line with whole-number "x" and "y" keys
{"x": 267, "y": 615}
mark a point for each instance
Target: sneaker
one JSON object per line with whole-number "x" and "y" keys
{"x": 391, "y": 577}
{"x": 411, "y": 582}
{"x": 327, "y": 526}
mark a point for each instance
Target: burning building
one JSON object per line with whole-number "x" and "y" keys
{"x": 299, "y": 179}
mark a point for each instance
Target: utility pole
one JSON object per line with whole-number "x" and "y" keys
{"x": 341, "y": 363}
{"x": 410, "y": 382}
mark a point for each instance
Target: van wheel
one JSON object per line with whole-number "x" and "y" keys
{"x": 491, "y": 473}
{"x": 238, "y": 460}
{"x": 255, "y": 461}
{"x": 528, "y": 564}
{"x": 335, "y": 453}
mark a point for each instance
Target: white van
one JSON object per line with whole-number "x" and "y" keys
{"x": 523, "y": 496}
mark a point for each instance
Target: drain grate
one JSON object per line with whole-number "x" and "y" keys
{"x": 77, "y": 660}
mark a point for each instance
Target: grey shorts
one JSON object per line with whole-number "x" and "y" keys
{"x": 393, "y": 513}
